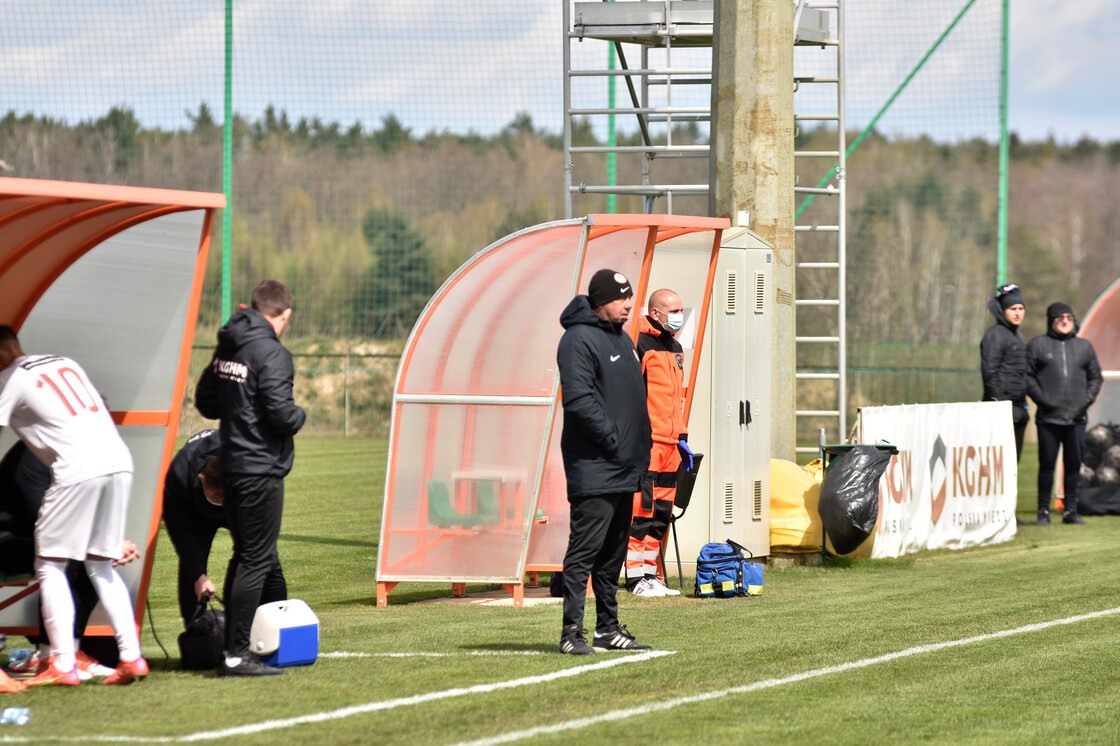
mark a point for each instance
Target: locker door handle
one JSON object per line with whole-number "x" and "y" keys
{"x": 745, "y": 412}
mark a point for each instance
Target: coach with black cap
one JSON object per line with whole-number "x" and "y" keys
{"x": 1063, "y": 378}
{"x": 1003, "y": 358}
{"x": 606, "y": 444}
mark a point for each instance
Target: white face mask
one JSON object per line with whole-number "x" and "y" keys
{"x": 674, "y": 321}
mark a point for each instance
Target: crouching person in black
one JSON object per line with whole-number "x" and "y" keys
{"x": 193, "y": 513}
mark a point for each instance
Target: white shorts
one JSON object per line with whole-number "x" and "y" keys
{"x": 84, "y": 518}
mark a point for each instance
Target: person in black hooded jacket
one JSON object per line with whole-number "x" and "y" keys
{"x": 605, "y": 443}
{"x": 193, "y": 513}
{"x": 248, "y": 386}
{"x": 1063, "y": 379}
{"x": 1003, "y": 358}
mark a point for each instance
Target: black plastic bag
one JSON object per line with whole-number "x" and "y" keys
{"x": 1098, "y": 500}
{"x": 202, "y": 643}
{"x": 849, "y": 501}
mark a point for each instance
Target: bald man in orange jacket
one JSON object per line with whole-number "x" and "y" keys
{"x": 663, "y": 368}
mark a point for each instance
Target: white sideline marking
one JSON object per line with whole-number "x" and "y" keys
{"x": 769, "y": 683}
{"x": 434, "y": 655}
{"x": 346, "y": 712}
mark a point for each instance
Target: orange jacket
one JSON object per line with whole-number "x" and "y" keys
{"x": 663, "y": 368}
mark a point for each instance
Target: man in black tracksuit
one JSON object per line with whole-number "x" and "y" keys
{"x": 1003, "y": 359}
{"x": 1063, "y": 378}
{"x": 193, "y": 513}
{"x": 606, "y": 444}
{"x": 248, "y": 385}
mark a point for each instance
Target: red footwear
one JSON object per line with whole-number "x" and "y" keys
{"x": 8, "y": 684}
{"x": 127, "y": 672}
{"x": 88, "y": 666}
{"x": 53, "y": 677}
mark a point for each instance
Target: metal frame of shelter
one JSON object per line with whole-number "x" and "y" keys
{"x": 111, "y": 276}
{"x": 474, "y": 488}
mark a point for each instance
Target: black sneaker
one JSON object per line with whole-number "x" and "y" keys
{"x": 1043, "y": 518}
{"x": 1073, "y": 518}
{"x": 618, "y": 639}
{"x": 250, "y": 665}
{"x": 572, "y": 642}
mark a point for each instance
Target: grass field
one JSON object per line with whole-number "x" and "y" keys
{"x": 808, "y": 662}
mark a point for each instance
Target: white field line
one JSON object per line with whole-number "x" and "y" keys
{"x": 482, "y": 653}
{"x": 571, "y": 724}
{"x": 346, "y": 712}
{"x": 769, "y": 683}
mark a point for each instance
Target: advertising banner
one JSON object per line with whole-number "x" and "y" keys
{"x": 954, "y": 482}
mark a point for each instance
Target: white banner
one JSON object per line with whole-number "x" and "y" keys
{"x": 954, "y": 482}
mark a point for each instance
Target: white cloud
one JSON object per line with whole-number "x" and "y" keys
{"x": 459, "y": 66}
{"x": 1063, "y": 68}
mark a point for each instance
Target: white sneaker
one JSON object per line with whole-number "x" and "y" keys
{"x": 646, "y": 589}
{"x": 665, "y": 590}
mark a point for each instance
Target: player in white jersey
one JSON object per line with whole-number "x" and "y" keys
{"x": 50, "y": 403}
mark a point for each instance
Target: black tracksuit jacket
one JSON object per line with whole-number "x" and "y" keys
{"x": 1003, "y": 364}
{"x": 606, "y": 438}
{"x": 248, "y": 386}
{"x": 1064, "y": 377}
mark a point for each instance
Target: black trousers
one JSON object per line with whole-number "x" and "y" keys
{"x": 600, "y": 527}
{"x": 1020, "y": 432}
{"x": 254, "y": 506}
{"x": 192, "y": 535}
{"x": 1072, "y": 440}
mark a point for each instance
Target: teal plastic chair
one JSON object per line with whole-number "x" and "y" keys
{"x": 440, "y": 512}
{"x": 489, "y": 514}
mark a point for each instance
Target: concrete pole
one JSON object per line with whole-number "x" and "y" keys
{"x": 753, "y": 166}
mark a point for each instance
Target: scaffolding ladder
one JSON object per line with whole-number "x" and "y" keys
{"x": 683, "y": 25}
{"x": 654, "y": 27}
{"x": 822, "y": 387}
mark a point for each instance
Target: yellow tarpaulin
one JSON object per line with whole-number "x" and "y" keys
{"x": 795, "y": 524}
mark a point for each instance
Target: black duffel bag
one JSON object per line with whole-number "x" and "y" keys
{"x": 202, "y": 643}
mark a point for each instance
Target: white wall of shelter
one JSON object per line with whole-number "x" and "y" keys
{"x": 120, "y": 297}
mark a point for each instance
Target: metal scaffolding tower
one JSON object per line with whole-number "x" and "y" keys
{"x": 662, "y": 33}
{"x": 672, "y": 86}
{"x": 822, "y": 393}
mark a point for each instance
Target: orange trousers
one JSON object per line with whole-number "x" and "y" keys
{"x": 653, "y": 507}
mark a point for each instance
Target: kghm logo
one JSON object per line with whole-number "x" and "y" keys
{"x": 938, "y": 478}
{"x": 231, "y": 370}
{"x": 977, "y": 471}
{"x": 896, "y": 483}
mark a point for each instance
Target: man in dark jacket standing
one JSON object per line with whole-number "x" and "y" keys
{"x": 1063, "y": 379}
{"x": 193, "y": 513}
{"x": 1003, "y": 358}
{"x": 248, "y": 386}
{"x": 606, "y": 444}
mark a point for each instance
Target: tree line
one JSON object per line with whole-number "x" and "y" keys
{"x": 366, "y": 222}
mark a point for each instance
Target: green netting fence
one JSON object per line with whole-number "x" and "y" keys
{"x": 376, "y": 146}
{"x": 923, "y": 121}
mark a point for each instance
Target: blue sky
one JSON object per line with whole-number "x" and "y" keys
{"x": 459, "y": 66}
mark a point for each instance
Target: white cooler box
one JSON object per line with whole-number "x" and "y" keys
{"x": 285, "y": 633}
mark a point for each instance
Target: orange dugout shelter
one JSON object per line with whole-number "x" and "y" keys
{"x": 475, "y": 487}
{"x": 1101, "y": 326}
{"x": 110, "y": 276}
